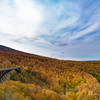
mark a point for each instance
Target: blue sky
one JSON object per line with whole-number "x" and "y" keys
{"x": 63, "y": 29}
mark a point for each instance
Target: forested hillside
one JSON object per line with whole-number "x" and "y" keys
{"x": 44, "y": 78}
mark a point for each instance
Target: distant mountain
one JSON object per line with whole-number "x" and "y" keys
{"x": 4, "y": 48}
{"x": 6, "y": 51}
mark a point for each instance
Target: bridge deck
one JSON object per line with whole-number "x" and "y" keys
{"x": 8, "y": 69}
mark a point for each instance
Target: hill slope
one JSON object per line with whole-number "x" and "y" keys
{"x": 44, "y": 78}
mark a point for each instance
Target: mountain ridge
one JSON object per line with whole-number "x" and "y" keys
{"x": 5, "y": 48}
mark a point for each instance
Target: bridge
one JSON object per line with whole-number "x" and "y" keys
{"x": 5, "y": 72}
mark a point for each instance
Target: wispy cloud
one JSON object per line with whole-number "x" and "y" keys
{"x": 48, "y": 27}
{"x": 88, "y": 30}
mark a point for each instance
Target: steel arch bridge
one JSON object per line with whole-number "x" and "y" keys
{"x": 5, "y": 72}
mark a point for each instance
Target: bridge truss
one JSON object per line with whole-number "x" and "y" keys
{"x": 5, "y": 72}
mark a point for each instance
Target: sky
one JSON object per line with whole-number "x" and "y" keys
{"x": 62, "y": 29}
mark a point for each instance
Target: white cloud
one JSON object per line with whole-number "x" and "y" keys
{"x": 21, "y": 18}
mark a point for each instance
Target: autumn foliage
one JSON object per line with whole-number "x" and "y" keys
{"x": 45, "y": 78}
